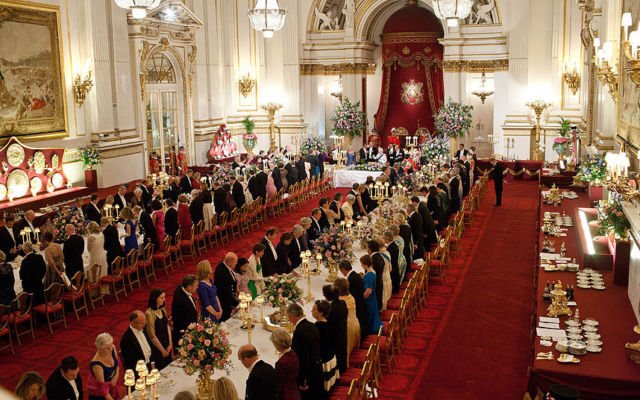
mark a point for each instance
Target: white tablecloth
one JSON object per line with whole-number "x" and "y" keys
{"x": 344, "y": 178}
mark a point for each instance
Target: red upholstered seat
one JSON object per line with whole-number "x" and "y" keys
{"x": 158, "y": 256}
{"x": 394, "y": 304}
{"x": 405, "y": 285}
{"x": 112, "y": 279}
{"x": 415, "y": 267}
{"x": 4, "y": 332}
{"x": 349, "y": 375}
{"x": 358, "y": 357}
{"x": 185, "y": 244}
{"x": 71, "y": 296}
{"x": 43, "y": 308}
{"x": 369, "y": 340}
{"x": 436, "y": 263}
{"x": 386, "y": 314}
{"x": 340, "y": 393}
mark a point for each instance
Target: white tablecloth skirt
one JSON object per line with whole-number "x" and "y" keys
{"x": 344, "y": 178}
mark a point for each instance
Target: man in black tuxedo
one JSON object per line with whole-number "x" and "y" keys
{"x": 295, "y": 248}
{"x": 270, "y": 257}
{"x": 28, "y": 221}
{"x": 261, "y": 383}
{"x": 454, "y": 184}
{"x": 394, "y": 253}
{"x": 185, "y": 182}
{"x": 225, "y": 279}
{"x": 77, "y": 207}
{"x": 183, "y": 307}
{"x": 464, "y": 177}
{"x": 292, "y": 173}
{"x": 237, "y": 192}
{"x": 135, "y": 344}
{"x": 277, "y": 176}
{"x": 283, "y": 263}
{"x": 373, "y": 249}
{"x": 306, "y": 344}
{"x": 316, "y": 229}
{"x": 428, "y": 226}
{"x": 146, "y": 194}
{"x": 261, "y": 185}
{"x": 498, "y": 175}
{"x": 111, "y": 242}
{"x": 392, "y": 175}
{"x": 174, "y": 190}
{"x": 336, "y": 205}
{"x": 337, "y": 321}
{"x": 196, "y": 208}
{"x": 462, "y": 153}
{"x": 324, "y": 220}
{"x": 32, "y": 271}
{"x": 91, "y": 210}
{"x": 220, "y": 198}
{"x": 313, "y": 160}
{"x": 8, "y": 243}
{"x": 302, "y": 169}
{"x": 65, "y": 382}
{"x": 72, "y": 251}
{"x": 364, "y": 154}
{"x": 148, "y": 229}
{"x": 356, "y": 288}
{"x": 417, "y": 231}
{"x": 119, "y": 198}
{"x": 171, "y": 224}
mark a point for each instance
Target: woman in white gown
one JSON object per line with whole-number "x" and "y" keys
{"x": 97, "y": 254}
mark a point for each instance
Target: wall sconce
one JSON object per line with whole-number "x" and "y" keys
{"x": 82, "y": 84}
{"x": 572, "y": 78}
{"x": 246, "y": 84}
{"x": 631, "y": 45}
{"x": 606, "y": 74}
{"x": 336, "y": 89}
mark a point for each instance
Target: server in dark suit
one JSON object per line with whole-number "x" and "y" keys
{"x": 373, "y": 249}
{"x": 295, "y": 248}
{"x": 306, "y": 344}
{"x": 220, "y": 198}
{"x": 111, "y": 242}
{"x": 497, "y": 175}
{"x": 270, "y": 257}
{"x": 324, "y": 220}
{"x": 32, "y": 271}
{"x": 336, "y": 206}
{"x": 134, "y": 344}
{"x": 292, "y": 173}
{"x": 171, "y": 222}
{"x": 315, "y": 230}
{"x": 72, "y": 251}
{"x": 183, "y": 307}
{"x": 146, "y": 195}
{"x": 356, "y": 288}
{"x": 283, "y": 263}
{"x": 337, "y": 320}
{"x": 454, "y": 184}
{"x": 261, "y": 383}
{"x": 428, "y": 226}
{"x": 302, "y": 169}
{"x": 277, "y": 176}
{"x": 119, "y": 198}
{"x": 225, "y": 280}
{"x": 8, "y": 243}
{"x": 65, "y": 382}
{"x": 196, "y": 208}
{"x": 462, "y": 153}
{"x": 91, "y": 210}
{"x": 186, "y": 186}
{"x": 238, "y": 192}
{"x": 148, "y": 228}
{"x": 417, "y": 231}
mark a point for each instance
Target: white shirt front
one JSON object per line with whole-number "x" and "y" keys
{"x": 190, "y": 297}
{"x": 73, "y": 386}
{"x": 144, "y": 344}
{"x": 124, "y": 201}
{"x": 273, "y": 249}
{"x": 10, "y": 233}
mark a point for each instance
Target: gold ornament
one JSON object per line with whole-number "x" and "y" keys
{"x": 55, "y": 161}
{"x": 15, "y": 155}
{"x": 36, "y": 184}
{"x": 3, "y": 192}
{"x": 412, "y": 93}
{"x": 18, "y": 183}
{"x": 39, "y": 162}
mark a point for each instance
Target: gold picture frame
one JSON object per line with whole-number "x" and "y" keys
{"x": 32, "y": 96}
{"x": 628, "y": 121}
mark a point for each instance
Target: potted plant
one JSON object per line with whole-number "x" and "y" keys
{"x": 453, "y": 120}
{"x": 593, "y": 170}
{"x": 249, "y": 139}
{"x": 90, "y": 157}
{"x": 349, "y": 120}
{"x": 562, "y": 144}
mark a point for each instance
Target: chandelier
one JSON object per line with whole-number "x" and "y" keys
{"x": 483, "y": 91}
{"x": 267, "y": 17}
{"x": 452, "y": 10}
{"x": 138, "y": 7}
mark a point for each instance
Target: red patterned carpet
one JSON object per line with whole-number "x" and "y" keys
{"x": 470, "y": 342}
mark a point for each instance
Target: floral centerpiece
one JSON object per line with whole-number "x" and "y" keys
{"x": 282, "y": 290}
{"x": 454, "y": 119}
{"x": 249, "y": 139}
{"x": 436, "y": 149}
{"x": 410, "y": 182}
{"x": 593, "y": 169}
{"x": 372, "y": 166}
{"x": 612, "y": 219}
{"x": 311, "y": 144}
{"x": 221, "y": 176}
{"x": 90, "y": 157}
{"x": 562, "y": 145}
{"x": 64, "y": 218}
{"x": 349, "y": 119}
{"x": 334, "y": 246}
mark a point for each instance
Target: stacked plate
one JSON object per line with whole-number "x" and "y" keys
{"x": 590, "y": 279}
{"x": 592, "y": 337}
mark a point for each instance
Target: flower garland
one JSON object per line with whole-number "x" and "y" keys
{"x": 64, "y": 218}
{"x": 311, "y": 144}
{"x": 90, "y": 157}
{"x": 205, "y": 347}
{"x": 348, "y": 119}
{"x": 282, "y": 290}
{"x": 593, "y": 169}
{"x": 611, "y": 219}
{"x": 436, "y": 149}
{"x": 454, "y": 119}
{"x": 334, "y": 245}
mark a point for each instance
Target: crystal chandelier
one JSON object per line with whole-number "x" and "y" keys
{"x": 483, "y": 91}
{"x": 267, "y": 17}
{"x": 138, "y": 7}
{"x": 452, "y": 10}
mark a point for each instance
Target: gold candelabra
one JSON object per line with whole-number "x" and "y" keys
{"x": 379, "y": 191}
{"x": 146, "y": 384}
{"x": 538, "y": 107}
{"x": 81, "y": 87}
{"x": 246, "y": 84}
{"x": 272, "y": 108}
{"x": 306, "y": 269}
{"x": 631, "y": 45}
{"x": 603, "y": 60}
{"x": 572, "y": 78}
{"x": 245, "y": 313}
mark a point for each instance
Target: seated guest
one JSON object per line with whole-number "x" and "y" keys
{"x": 171, "y": 224}
{"x": 356, "y": 288}
{"x": 347, "y": 207}
{"x": 306, "y": 344}
{"x": 341, "y": 286}
{"x": 225, "y": 279}
{"x": 7, "y": 281}
{"x": 330, "y": 374}
{"x": 315, "y": 230}
{"x": 207, "y": 293}
{"x": 187, "y": 395}
{"x": 335, "y": 206}
{"x": 327, "y": 212}
{"x": 223, "y": 389}
{"x": 183, "y": 307}
{"x": 269, "y": 266}
{"x": 111, "y": 241}
{"x": 242, "y": 275}
{"x": 119, "y": 198}
{"x": 256, "y": 280}
{"x": 134, "y": 344}
{"x": 337, "y": 320}
{"x": 370, "y": 277}
{"x": 65, "y": 381}
{"x": 184, "y": 216}
{"x": 32, "y": 272}
{"x": 91, "y": 210}
{"x": 8, "y": 243}
{"x": 30, "y": 386}
{"x": 295, "y": 249}
{"x": 130, "y": 238}
{"x": 261, "y": 383}
{"x": 105, "y": 370}
{"x": 72, "y": 251}
{"x": 286, "y": 366}
{"x": 158, "y": 329}
{"x": 283, "y": 263}
{"x": 305, "y": 222}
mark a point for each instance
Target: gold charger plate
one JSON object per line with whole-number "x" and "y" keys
{"x": 39, "y": 162}
{"x": 15, "y": 155}
{"x": 18, "y": 183}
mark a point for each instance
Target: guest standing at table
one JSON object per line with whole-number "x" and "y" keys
{"x": 417, "y": 232}
{"x": 108, "y": 208}
{"x": 111, "y": 242}
{"x": 373, "y": 250}
{"x": 225, "y": 279}
{"x": 237, "y": 191}
{"x": 97, "y": 255}
{"x": 295, "y": 248}
{"x": 428, "y": 226}
{"x": 353, "y": 324}
{"x": 261, "y": 383}
{"x": 306, "y": 344}
{"x": 28, "y": 221}
{"x": 498, "y": 175}
{"x": 283, "y": 263}
{"x": 157, "y": 217}
{"x": 347, "y": 208}
{"x": 171, "y": 224}
{"x": 130, "y": 238}
{"x": 196, "y": 210}
{"x": 254, "y": 270}
{"x": 373, "y": 312}
{"x": 8, "y": 243}
{"x": 325, "y": 221}
{"x": 394, "y": 254}
{"x": 186, "y": 182}
{"x": 119, "y": 198}
{"x": 269, "y": 266}
{"x": 7, "y": 281}
{"x": 148, "y": 228}
{"x": 208, "y": 211}
{"x": 287, "y": 366}
{"x": 207, "y": 293}
{"x": 351, "y": 156}
{"x": 399, "y": 243}
{"x": 242, "y": 275}
{"x": 91, "y": 210}
{"x": 356, "y": 289}
{"x": 54, "y": 259}
{"x": 223, "y": 389}
{"x": 183, "y": 307}
{"x": 32, "y": 271}
{"x": 158, "y": 329}
{"x": 104, "y": 370}
{"x": 72, "y": 251}
{"x": 65, "y": 382}
{"x": 386, "y": 273}
{"x": 405, "y": 233}
{"x": 30, "y": 386}
{"x": 434, "y": 206}
{"x": 184, "y": 216}
{"x": 337, "y": 319}
{"x": 134, "y": 344}
{"x": 320, "y": 312}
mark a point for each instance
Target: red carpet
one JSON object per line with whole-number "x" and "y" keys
{"x": 472, "y": 339}
{"x": 44, "y": 354}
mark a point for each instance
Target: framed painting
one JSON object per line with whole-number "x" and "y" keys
{"x": 32, "y": 99}
{"x": 629, "y": 93}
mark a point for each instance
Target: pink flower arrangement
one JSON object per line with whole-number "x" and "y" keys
{"x": 282, "y": 290}
{"x": 65, "y": 217}
{"x": 334, "y": 245}
{"x": 204, "y": 346}
{"x": 349, "y": 119}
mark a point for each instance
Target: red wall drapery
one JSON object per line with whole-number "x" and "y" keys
{"x": 410, "y": 51}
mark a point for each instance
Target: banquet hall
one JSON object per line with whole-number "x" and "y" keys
{"x": 319, "y": 199}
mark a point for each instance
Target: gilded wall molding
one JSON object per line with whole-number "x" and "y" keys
{"x": 122, "y": 151}
{"x": 475, "y": 65}
{"x": 71, "y": 156}
{"x": 338, "y": 69}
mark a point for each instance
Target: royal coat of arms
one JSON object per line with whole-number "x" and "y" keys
{"x": 412, "y": 93}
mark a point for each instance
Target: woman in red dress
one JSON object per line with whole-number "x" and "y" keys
{"x": 184, "y": 217}
{"x": 286, "y": 367}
